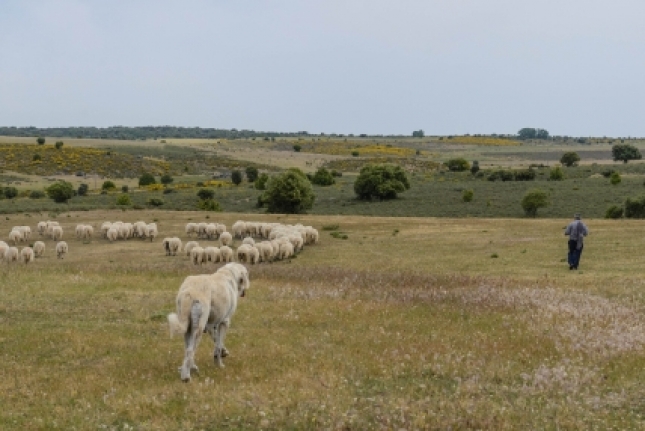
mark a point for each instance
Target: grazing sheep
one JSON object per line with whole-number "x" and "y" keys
{"x": 201, "y": 230}
{"x": 226, "y": 238}
{"x": 39, "y": 248}
{"x": 189, "y": 246}
{"x": 61, "y": 249}
{"x": 88, "y": 232}
{"x": 105, "y": 227}
{"x": 15, "y": 236}
{"x": 197, "y": 255}
{"x": 248, "y": 254}
{"x": 171, "y": 245}
{"x": 79, "y": 231}
{"x": 239, "y": 228}
{"x": 286, "y": 250}
{"x": 191, "y": 228}
{"x": 112, "y": 234}
{"x": 249, "y": 241}
{"x": 27, "y": 255}
{"x": 57, "y": 233}
{"x": 3, "y": 248}
{"x": 211, "y": 231}
{"x": 212, "y": 254}
{"x": 221, "y": 228}
{"x": 206, "y": 303}
{"x": 266, "y": 251}
{"x": 11, "y": 254}
{"x": 140, "y": 229}
{"x": 41, "y": 228}
{"x": 226, "y": 253}
{"x": 152, "y": 231}
{"x": 26, "y": 232}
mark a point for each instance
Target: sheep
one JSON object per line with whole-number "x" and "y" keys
{"x": 124, "y": 231}
{"x": 248, "y": 240}
{"x": 297, "y": 242}
{"x": 39, "y": 248}
{"x": 61, "y": 249}
{"x": 105, "y": 227}
{"x": 189, "y": 246}
{"x": 220, "y": 229}
{"x": 197, "y": 255}
{"x": 211, "y": 231}
{"x": 27, "y": 255}
{"x": 212, "y": 254}
{"x": 11, "y": 254}
{"x": 201, "y": 230}
{"x": 140, "y": 229}
{"x": 79, "y": 231}
{"x": 112, "y": 234}
{"x": 57, "y": 233}
{"x": 239, "y": 228}
{"x": 191, "y": 228}
{"x": 226, "y": 253}
{"x": 151, "y": 231}
{"x": 206, "y": 303}
{"x": 248, "y": 254}
{"x": 26, "y": 232}
{"x": 226, "y": 238}
{"x": 16, "y": 236}
{"x": 171, "y": 245}
{"x": 286, "y": 250}
{"x": 41, "y": 228}
{"x": 88, "y": 232}
{"x": 3, "y": 248}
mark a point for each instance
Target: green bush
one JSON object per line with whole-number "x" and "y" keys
{"x": 556, "y": 174}
{"x": 336, "y": 174}
{"x": 236, "y": 177}
{"x": 635, "y": 208}
{"x": 60, "y": 191}
{"x": 58, "y": 145}
{"x": 108, "y": 186}
{"x": 82, "y": 190}
{"x": 569, "y": 159}
{"x": 37, "y": 194}
{"x": 534, "y": 200}
{"x": 355, "y": 153}
{"x": 125, "y": 189}
{"x": 607, "y": 173}
{"x": 615, "y": 178}
{"x": 501, "y": 175}
{"x": 251, "y": 173}
{"x": 457, "y": 165}
{"x": 10, "y": 192}
{"x": 381, "y": 182}
{"x": 297, "y": 148}
{"x": 475, "y": 167}
{"x": 41, "y": 141}
{"x": 205, "y": 194}
{"x": 168, "y": 191}
{"x": 124, "y": 199}
{"x": 467, "y": 195}
{"x": 155, "y": 202}
{"x": 614, "y": 212}
{"x": 36, "y": 157}
{"x": 209, "y": 205}
{"x": 166, "y": 179}
{"x": 261, "y": 182}
{"x": 289, "y": 192}
{"x": 524, "y": 175}
{"x": 146, "y": 179}
{"x": 323, "y": 177}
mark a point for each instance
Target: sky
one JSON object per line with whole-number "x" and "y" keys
{"x": 573, "y": 67}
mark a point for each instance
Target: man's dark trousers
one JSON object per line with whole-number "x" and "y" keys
{"x": 574, "y": 254}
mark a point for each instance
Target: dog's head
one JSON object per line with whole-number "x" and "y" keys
{"x": 240, "y": 275}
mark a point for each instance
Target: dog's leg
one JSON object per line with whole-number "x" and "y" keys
{"x": 191, "y": 339}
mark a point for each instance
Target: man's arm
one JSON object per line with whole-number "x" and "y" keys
{"x": 567, "y": 231}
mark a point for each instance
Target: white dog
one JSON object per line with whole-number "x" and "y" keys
{"x": 206, "y": 303}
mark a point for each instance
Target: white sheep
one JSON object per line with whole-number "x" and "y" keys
{"x": 226, "y": 238}
{"x": 189, "y": 246}
{"x": 226, "y": 253}
{"x": 16, "y": 236}
{"x": 105, "y": 227}
{"x": 41, "y": 228}
{"x": 79, "y": 231}
{"x": 266, "y": 251}
{"x": 140, "y": 229}
{"x": 248, "y": 254}
{"x": 3, "y": 248}
{"x": 206, "y": 303}
{"x": 171, "y": 245}
{"x": 152, "y": 231}
{"x": 39, "y": 248}
{"x": 212, "y": 254}
{"x": 286, "y": 250}
{"x": 211, "y": 231}
{"x": 88, "y": 232}
{"x": 191, "y": 228}
{"x": 197, "y": 255}
{"x": 26, "y": 232}
{"x": 201, "y": 230}
{"x": 61, "y": 249}
{"x": 239, "y": 229}
{"x": 112, "y": 234}
{"x": 57, "y": 233}
{"x": 27, "y": 255}
{"x": 248, "y": 240}
{"x": 11, "y": 254}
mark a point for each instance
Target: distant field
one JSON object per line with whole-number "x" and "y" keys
{"x": 408, "y": 324}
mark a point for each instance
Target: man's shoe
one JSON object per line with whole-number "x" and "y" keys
{"x": 570, "y": 267}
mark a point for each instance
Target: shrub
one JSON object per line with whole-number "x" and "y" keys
{"x": 209, "y": 205}
{"x": 614, "y": 212}
{"x": 607, "y": 173}
{"x": 61, "y": 191}
{"x": 205, "y": 194}
{"x": 467, "y": 195}
{"x": 168, "y": 191}
{"x": 323, "y": 177}
{"x": 534, "y": 200}
{"x": 125, "y": 189}
{"x": 336, "y": 173}
{"x": 261, "y": 182}
{"x": 108, "y": 185}
{"x": 41, "y": 140}
{"x": 556, "y": 174}
{"x": 36, "y": 157}
{"x": 330, "y": 227}
{"x": 36, "y": 194}
{"x": 635, "y": 208}
{"x": 524, "y": 175}
{"x": 124, "y": 199}
{"x": 355, "y": 154}
{"x": 569, "y": 159}
{"x": 615, "y": 178}
{"x": 381, "y": 181}
{"x": 457, "y": 165}
{"x": 155, "y": 202}
{"x": 297, "y": 148}
{"x": 475, "y": 167}
{"x": 58, "y": 145}
{"x": 10, "y": 192}
{"x": 501, "y": 175}
{"x": 289, "y": 192}
{"x": 166, "y": 179}
{"x": 236, "y": 177}
{"x": 146, "y": 179}
{"x": 82, "y": 190}
{"x": 625, "y": 153}
{"x": 251, "y": 173}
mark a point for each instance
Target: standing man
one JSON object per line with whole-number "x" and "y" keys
{"x": 576, "y": 231}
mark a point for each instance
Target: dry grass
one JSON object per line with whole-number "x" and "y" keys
{"x": 407, "y": 324}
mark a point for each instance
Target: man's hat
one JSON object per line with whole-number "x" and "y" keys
{"x": 576, "y": 216}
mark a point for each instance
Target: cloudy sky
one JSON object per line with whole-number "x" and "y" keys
{"x": 574, "y": 67}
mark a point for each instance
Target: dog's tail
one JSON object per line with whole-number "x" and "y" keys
{"x": 180, "y": 321}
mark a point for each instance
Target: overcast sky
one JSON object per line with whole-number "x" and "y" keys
{"x": 573, "y": 67}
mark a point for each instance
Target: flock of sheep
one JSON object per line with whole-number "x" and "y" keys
{"x": 28, "y": 254}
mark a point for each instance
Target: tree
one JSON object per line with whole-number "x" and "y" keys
{"x": 531, "y": 133}
{"x": 59, "y": 145}
{"x": 108, "y": 185}
{"x": 323, "y": 177}
{"x": 534, "y": 200}
{"x": 457, "y": 165}
{"x": 60, "y": 191}
{"x": 10, "y": 192}
{"x": 625, "y": 152}
{"x": 297, "y": 148}
{"x": 236, "y": 177}
{"x": 251, "y": 173}
{"x": 205, "y": 194}
{"x": 569, "y": 159}
{"x": 82, "y": 190}
{"x": 166, "y": 179}
{"x": 40, "y": 140}
{"x": 381, "y": 182}
{"x": 289, "y": 192}
{"x": 418, "y": 134}
{"x": 146, "y": 179}
{"x": 261, "y": 182}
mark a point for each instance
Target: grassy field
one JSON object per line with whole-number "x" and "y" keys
{"x": 410, "y": 323}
